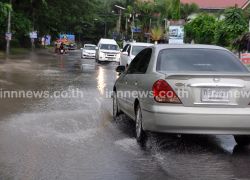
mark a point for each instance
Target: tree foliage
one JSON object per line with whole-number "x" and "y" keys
{"x": 85, "y": 18}
{"x": 156, "y": 33}
{"x": 175, "y": 9}
{"x": 154, "y": 13}
{"x": 52, "y": 17}
{"x": 207, "y": 29}
{"x": 187, "y": 9}
{"x": 228, "y": 29}
{"x": 201, "y": 29}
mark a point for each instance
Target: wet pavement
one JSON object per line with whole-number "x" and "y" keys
{"x": 75, "y": 138}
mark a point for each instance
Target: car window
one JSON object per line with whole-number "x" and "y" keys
{"x": 142, "y": 66}
{"x": 207, "y": 60}
{"x": 125, "y": 48}
{"x": 140, "y": 63}
{"x": 129, "y": 50}
{"x": 137, "y": 49}
{"x": 89, "y": 47}
{"x": 133, "y": 65}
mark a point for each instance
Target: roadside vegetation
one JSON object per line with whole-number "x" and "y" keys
{"x": 87, "y": 20}
{"x": 222, "y": 29}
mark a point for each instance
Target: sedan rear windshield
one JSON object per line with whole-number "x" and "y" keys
{"x": 207, "y": 60}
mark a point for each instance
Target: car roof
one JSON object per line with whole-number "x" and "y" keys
{"x": 107, "y": 41}
{"x": 187, "y": 46}
{"x": 140, "y": 44}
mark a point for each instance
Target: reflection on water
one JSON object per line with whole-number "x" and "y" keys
{"x": 100, "y": 81}
{"x": 61, "y": 62}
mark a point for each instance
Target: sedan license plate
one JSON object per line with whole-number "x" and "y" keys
{"x": 214, "y": 95}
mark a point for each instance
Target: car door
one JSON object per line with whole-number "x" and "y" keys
{"x": 134, "y": 69}
{"x": 123, "y": 88}
{"x": 124, "y": 54}
{"x": 139, "y": 77}
{"x": 128, "y": 58}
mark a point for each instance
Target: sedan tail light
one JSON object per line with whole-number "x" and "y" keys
{"x": 163, "y": 93}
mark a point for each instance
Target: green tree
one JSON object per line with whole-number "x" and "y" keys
{"x": 4, "y": 9}
{"x": 201, "y": 29}
{"x": 156, "y": 34}
{"x": 188, "y": 9}
{"x": 176, "y": 9}
{"x": 233, "y": 26}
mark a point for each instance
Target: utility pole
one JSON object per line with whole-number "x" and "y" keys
{"x": 126, "y": 26}
{"x": 105, "y": 24}
{"x": 33, "y": 27}
{"x": 132, "y": 28}
{"x": 8, "y": 38}
{"x": 120, "y": 18}
{"x": 119, "y": 21}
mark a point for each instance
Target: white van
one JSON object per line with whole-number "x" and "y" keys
{"x": 108, "y": 50}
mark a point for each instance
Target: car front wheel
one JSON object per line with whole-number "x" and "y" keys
{"x": 140, "y": 133}
{"x": 242, "y": 140}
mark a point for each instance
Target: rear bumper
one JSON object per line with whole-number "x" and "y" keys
{"x": 183, "y": 120}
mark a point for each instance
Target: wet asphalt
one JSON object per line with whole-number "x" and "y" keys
{"x": 74, "y": 138}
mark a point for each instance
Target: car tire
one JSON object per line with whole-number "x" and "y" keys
{"x": 141, "y": 135}
{"x": 242, "y": 140}
{"x": 116, "y": 110}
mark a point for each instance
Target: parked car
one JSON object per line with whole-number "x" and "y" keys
{"x": 72, "y": 46}
{"x": 88, "y": 51}
{"x": 185, "y": 89}
{"x": 107, "y": 50}
{"x": 130, "y": 51}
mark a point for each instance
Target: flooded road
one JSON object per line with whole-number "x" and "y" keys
{"x": 73, "y": 137}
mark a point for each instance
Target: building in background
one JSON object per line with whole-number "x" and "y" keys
{"x": 218, "y": 5}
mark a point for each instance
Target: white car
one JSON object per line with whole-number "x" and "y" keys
{"x": 130, "y": 51}
{"x": 88, "y": 51}
{"x": 107, "y": 50}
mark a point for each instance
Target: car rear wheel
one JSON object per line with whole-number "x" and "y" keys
{"x": 242, "y": 140}
{"x": 141, "y": 136}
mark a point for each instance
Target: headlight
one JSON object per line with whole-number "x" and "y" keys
{"x": 102, "y": 54}
{"x": 118, "y": 56}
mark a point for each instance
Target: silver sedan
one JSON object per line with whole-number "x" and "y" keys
{"x": 185, "y": 89}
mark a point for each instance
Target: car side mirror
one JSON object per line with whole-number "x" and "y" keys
{"x": 120, "y": 69}
{"x": 81, "y": 48}
{"x": 96, "y": 48}
{"x": 125, "y": 53}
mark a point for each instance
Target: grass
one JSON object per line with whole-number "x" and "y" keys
{"x": 15, "y": 52}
